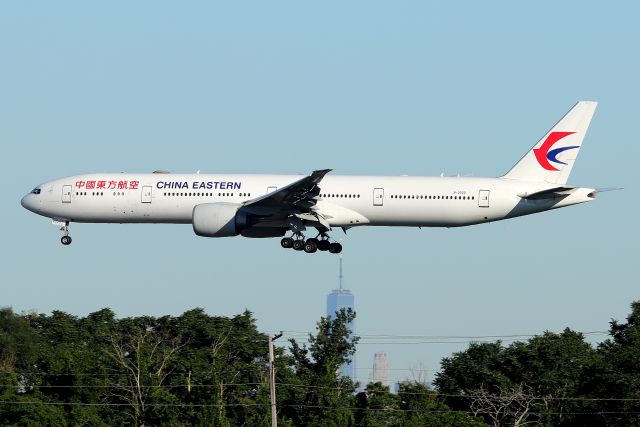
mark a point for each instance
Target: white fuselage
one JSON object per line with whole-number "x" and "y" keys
{"x": 346, "y": 201}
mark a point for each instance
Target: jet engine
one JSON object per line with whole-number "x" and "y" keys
{"x": 218, "y": 220}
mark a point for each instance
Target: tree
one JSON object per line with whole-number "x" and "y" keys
{"x": 377, "y": 407}
{"x": 145, "y": 351}
{"x": 615, "y": 377}
{"x": 480, "y": 365}
{"x": 422, "y": 406}
{"x": 324, "y": 398}
{"x": 16, "y": 339}
{"x": 226, "y": 361}
{"x": 507, "y": 407}
{"x": 550, "y": 367}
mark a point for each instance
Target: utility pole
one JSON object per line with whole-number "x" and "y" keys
{"x": 272, "y": 380}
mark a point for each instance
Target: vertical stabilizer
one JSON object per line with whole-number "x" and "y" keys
{"x": 552, "y": 158}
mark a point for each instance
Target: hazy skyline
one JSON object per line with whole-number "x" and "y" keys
{"x": 414, "y": 88}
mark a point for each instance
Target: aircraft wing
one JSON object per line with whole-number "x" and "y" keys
{"x": 299, "y": 197}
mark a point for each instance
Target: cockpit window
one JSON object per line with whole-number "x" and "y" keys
{"x": 35, "y": 191}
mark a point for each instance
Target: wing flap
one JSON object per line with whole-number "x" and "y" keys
{"x": 298, "y": 197}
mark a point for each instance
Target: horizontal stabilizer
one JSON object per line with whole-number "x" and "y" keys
{"x": 602, "y": 190}
{"x": 551, "y": 193}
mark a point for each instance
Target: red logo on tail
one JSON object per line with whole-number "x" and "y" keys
{"x": 543, "y": 155}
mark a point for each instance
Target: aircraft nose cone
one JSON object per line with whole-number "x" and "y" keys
{"x": 27, "y": 202}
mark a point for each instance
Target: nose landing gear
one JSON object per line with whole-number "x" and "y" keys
{"x": 64, "y": 226}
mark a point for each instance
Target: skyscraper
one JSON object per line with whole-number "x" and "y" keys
{"x": 381, "y": 368}
{"x": 338, "y": 299}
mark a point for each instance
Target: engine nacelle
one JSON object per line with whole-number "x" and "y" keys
{"x": 218, "y": 220}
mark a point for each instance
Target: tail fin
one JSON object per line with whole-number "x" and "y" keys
{"x": 546, "y": 163}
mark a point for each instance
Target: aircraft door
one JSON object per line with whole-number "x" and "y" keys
{"x": 66, "y": 194}
{"x": 146, "y": 194}
{"x": 483, "y": 199}
{"x": 378, "y": 196}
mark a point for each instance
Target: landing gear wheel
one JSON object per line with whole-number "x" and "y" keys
{"x": 335, "y": 248}
{"x": 311, "y": 246}
{"x": 66, "y": 240}
{"x": 298, "y": 245}
{"x": 323, "y": 245}
{"x": 286, "y": 242}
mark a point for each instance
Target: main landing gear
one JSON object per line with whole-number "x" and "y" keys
{"x": 66, "y": 239}
{"x": 311, "y": 245}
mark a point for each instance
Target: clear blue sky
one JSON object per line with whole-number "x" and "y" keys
{"x": 393, "y": 88}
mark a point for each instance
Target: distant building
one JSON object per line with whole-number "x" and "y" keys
{"x": 381, "y": 368}
{"x": 396, "y": 388}
{"x": 338, "y": 299}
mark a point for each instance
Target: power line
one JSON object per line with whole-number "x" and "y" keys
{"x": 333, "y": 388}
{"x": 490, "y": 336}
{"x": 390, "y": 339}
{"x": 303, "y": 406}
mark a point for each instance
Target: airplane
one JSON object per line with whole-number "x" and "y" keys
{"x": 260, "y": 206}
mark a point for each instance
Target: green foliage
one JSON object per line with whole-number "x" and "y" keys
{"x": 325, "y": 396}
{"x": 567, "y": 382}
{"x": 197, "y": 369}
{"x": 414, "y": 405}
{"x": 16, "y": 339}
{"x": 423, "y": 407}
{"x": 31, "y": 411}
{"x": 99, "y": 370}
{"x": 616, "y": 374}
{"x": 377, "y": 407}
